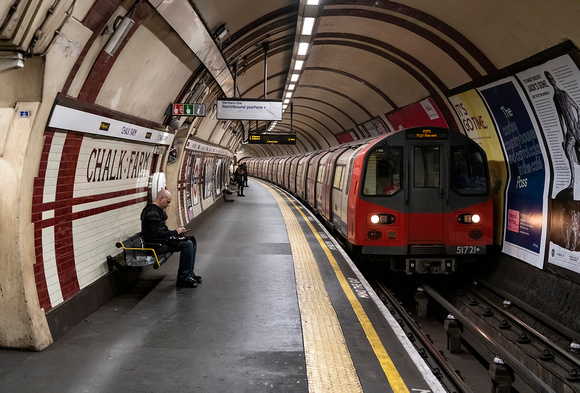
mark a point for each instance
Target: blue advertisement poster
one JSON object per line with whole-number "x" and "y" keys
{"x": 526, "y": 194}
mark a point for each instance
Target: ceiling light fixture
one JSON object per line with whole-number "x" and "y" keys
{"x": 303, "y": 48}
{"x": 308, "y": 12}
{"x": 308, "y": 25}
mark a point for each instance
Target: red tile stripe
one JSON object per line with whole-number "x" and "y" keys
{"x": 39, "y": 275}
{"x": 63, "y": 230}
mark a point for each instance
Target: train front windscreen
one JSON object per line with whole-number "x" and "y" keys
{"x": 383, "y": 172}
{"x": 468, "y": 174}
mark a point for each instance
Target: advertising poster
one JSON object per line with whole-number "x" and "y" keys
{"x": 188, "y": 186}
{"x": 208, "y": 173}
{"x": 527, "y": 191}
{"x": 363, "y": 131}
{"x": 346, "y": 136}
{"x": 421, "y": 114}
{"x": 554, "y": 90}
{"x": 479, "y": 126}
{"x": 375, "y": 126}
{"x": 196, "y": 181}
{"x": 218, "y": 177}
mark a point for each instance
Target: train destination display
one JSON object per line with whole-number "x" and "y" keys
{"x": 264, "y": 139}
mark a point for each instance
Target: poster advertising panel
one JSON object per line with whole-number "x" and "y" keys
{"x": 196, "y": 181}
{"x": 375, "y": 126}
{"x": 188, "y": 185}
{"x": 346, "y": 136}
{"x": 554, "y": 90}
{"x": 420, "y": 114}
{"x": 527, "y": 191}
{"x": 479, "y": 126}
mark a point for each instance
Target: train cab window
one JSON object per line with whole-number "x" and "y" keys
{"x": 468, "y": 174}
{"x": 383, "y": 171}
{"x": 426, "y": 167}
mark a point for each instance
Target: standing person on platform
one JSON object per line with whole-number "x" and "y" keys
{"x": 240, "y": 172}
{"x": 245, "y": 166}
{"x": 153, "y": 228}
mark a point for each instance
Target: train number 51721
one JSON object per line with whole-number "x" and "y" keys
{"x": 468, "y": 250}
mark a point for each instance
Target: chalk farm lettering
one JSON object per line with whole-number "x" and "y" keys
{"x": 109, "y": 164}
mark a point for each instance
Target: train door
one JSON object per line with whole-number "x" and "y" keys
{"x": 426, "y": 195}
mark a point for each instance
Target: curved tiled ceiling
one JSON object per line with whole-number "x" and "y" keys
{"x": 370, "y": 57}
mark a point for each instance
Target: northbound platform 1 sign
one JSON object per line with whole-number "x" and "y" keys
{"x": 245, "y": 109}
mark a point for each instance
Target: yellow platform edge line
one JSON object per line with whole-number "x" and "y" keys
{"x": 391, "y": 372}
{"x": 329, "y": 365}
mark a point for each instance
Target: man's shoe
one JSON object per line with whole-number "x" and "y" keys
{"x": 197, "y": 278}
{"x": 241, "y": 195}
{"x": 189, "y": 282}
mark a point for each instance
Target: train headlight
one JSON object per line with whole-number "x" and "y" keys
{"x": 468, "y": 218}
{"x": 382, "y": 219}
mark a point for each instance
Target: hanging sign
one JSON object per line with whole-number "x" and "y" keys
{"x": 244, "y": 109}
{"x": 188, "y": 110}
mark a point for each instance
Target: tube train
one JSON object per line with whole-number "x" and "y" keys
{"x": 417, "y": 198}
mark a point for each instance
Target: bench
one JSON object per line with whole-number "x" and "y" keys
{"x": 137, "y": 253}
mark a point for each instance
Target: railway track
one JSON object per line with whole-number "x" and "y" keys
{"x": 517, "y": 347}
{"x": 477, "y": 338}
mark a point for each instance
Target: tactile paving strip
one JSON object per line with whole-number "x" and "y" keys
{"x": 328, "y": 362}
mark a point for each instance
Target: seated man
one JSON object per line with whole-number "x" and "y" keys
{"x": 154, "y": 229}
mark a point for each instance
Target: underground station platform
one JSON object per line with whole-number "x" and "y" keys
{"x": 281, "y": 309}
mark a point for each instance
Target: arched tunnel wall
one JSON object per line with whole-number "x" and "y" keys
{"x": 70, "y": 192}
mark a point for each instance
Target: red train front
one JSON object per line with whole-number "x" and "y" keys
{"x": 421, "y": 198}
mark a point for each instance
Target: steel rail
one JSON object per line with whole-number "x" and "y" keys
{"x": 524, "y": 326}
{"x": 533, "y": 380}
{"x": 418, "y": 332}
{"x": 569, "y": 333}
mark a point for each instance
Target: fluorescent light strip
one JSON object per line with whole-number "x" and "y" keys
{"x": 298, "y": 64}
{"x": 303, "y": 49}
{"x": 308, "y": 25}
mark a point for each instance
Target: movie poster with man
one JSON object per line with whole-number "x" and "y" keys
{"x": 527, "y": 192}
{"x": 554, "y": 90}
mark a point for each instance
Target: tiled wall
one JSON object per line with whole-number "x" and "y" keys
{"x": 89, "y": 193}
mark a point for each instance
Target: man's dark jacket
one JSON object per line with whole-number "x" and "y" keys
{"x": 153, "y": 223}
